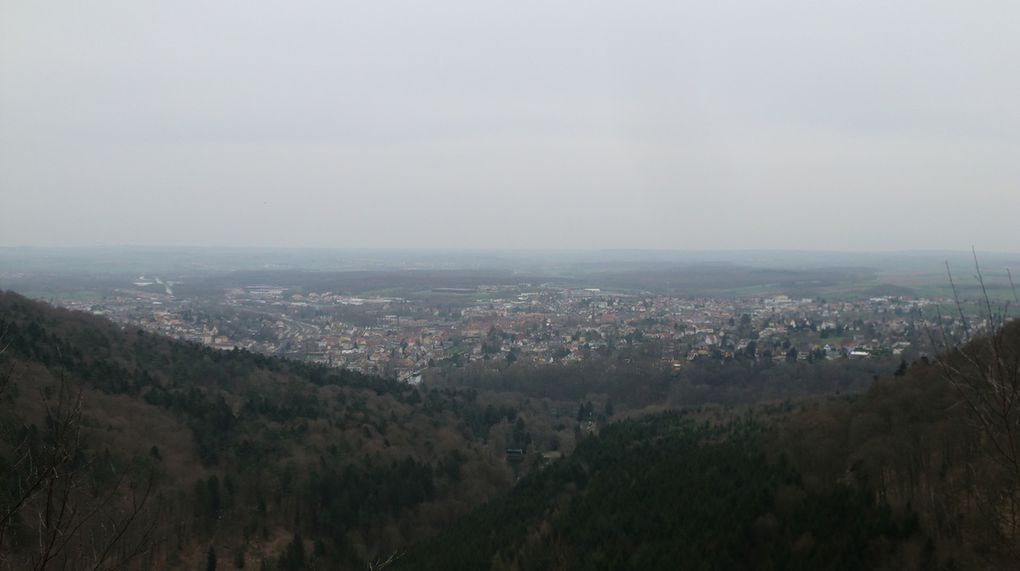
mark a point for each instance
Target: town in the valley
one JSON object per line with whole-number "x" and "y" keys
{"x": 403, "y": 337}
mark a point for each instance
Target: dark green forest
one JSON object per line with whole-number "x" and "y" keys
{"x": 675, "y": 490}
{"x": 919, "y": 471}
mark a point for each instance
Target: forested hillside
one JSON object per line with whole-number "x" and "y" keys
{"x": 919, "y": 472}
{"x": 121, "y": 449}
{"x": 939, "y": 438}
{"x": 248, "y": 457}
{"x": 675, "y": 491}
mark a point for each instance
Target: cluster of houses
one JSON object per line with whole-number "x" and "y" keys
{"x": 542, "y": 324}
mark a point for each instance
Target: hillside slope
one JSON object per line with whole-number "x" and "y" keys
{"x": 673, "y": 491}
{"x": 902, "y": 476}
{"x": 121, "y": 449}
{"x": 255, "y": 457}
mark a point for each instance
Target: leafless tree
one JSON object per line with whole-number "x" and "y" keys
{"x": 52, "y": 492}
{"x": 985, "y": 373}
{"x": 6, "y": 373}
{"x": 384, "y": 563}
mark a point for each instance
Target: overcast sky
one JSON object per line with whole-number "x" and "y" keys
{"x": 850, "y": 125}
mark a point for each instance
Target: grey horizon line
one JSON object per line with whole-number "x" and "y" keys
{"x": 455, "y": 249}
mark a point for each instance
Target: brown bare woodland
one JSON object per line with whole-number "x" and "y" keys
{"x": 985, "y": 374}
{"x": 54, "y": 514}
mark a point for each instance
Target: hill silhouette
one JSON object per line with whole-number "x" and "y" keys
{"x": 898, "y": 477}
{"x": 243, "y": 451}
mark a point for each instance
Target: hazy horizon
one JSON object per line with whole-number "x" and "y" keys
{"x": 782, "y": 126}
{"x": 156, "y": 247}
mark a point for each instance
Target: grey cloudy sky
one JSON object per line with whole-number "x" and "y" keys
{"x": 868, "y": 124}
